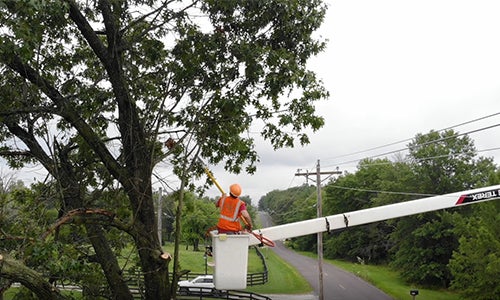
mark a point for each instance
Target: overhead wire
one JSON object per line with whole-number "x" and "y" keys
{"x": 424, "y": 144}
{"x": 409, "y": 139}
{"x": 385, "y": 192}
{"x": 427, "y": 143}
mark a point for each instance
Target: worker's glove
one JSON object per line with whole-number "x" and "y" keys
{"x": 248, "y": 227}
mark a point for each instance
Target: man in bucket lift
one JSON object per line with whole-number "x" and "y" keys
{"x": 231, "y": 210}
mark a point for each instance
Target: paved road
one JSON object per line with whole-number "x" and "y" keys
{"x": 337, "y": 283}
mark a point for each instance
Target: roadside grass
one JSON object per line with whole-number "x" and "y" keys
{"x": 388, "y": 280}
{"x": 189, "y": 259}
{"x": 283, "y": 278}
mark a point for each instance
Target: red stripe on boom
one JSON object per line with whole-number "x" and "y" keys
{"x": 461, "y": 199}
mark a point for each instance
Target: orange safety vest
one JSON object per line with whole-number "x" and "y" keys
{"x": 229, "y": 218}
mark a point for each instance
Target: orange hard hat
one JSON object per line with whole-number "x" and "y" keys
{"x": 235, "y": 190}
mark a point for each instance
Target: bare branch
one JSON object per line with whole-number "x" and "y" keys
{"x": 89, "y": 214}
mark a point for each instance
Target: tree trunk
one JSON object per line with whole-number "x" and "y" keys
{"x": 34, "y": 281}
{"x": 154, "y": 266}
{"x": 196, "y": 245}
{"x": 109, "y": 263}
{"x": 178, "y": 216}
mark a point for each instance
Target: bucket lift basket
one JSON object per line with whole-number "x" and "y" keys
{"x": 230, "y": 253}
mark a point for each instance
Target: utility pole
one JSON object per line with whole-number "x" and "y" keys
{"x": 319, "y": 212}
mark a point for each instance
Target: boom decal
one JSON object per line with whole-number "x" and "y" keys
{"x": 481, "y": 196}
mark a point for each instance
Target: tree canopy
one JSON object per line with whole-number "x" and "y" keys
{"x": 91, "y": 90}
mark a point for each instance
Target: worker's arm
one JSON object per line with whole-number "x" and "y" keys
{"x": 247, "y": 219}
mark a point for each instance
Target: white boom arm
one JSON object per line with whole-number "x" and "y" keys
{"x": 376, "y": 214}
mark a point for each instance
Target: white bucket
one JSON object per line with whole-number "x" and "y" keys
{"x": 230, "y": 253}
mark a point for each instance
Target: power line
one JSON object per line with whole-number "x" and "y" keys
{"x": 424, "y": 144}
{"x": 409, "y": 139}
{"x": 380, "y": 192}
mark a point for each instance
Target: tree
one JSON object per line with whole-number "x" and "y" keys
{"x": 91, "y": 90}
{"x": 475, "y": 265}
{"x": 376, "y": 182}
{"x": 442, "y": 163}
{"x": 289, "y": 205}
{"x": 47, "y": 252}
{"x": 199, "y": 215}
{"x": 292, "y": 205}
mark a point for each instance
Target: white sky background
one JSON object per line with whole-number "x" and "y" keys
{"x": 394, "y": 68}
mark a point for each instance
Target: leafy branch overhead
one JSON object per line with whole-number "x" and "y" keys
{"x": 91, "y": 90}
{"x": 203, "y": 72}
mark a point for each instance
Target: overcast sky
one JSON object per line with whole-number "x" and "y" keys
{"x": 394, "y": 69}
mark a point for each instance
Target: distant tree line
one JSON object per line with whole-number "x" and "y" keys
{"x": 454, "y": 248}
